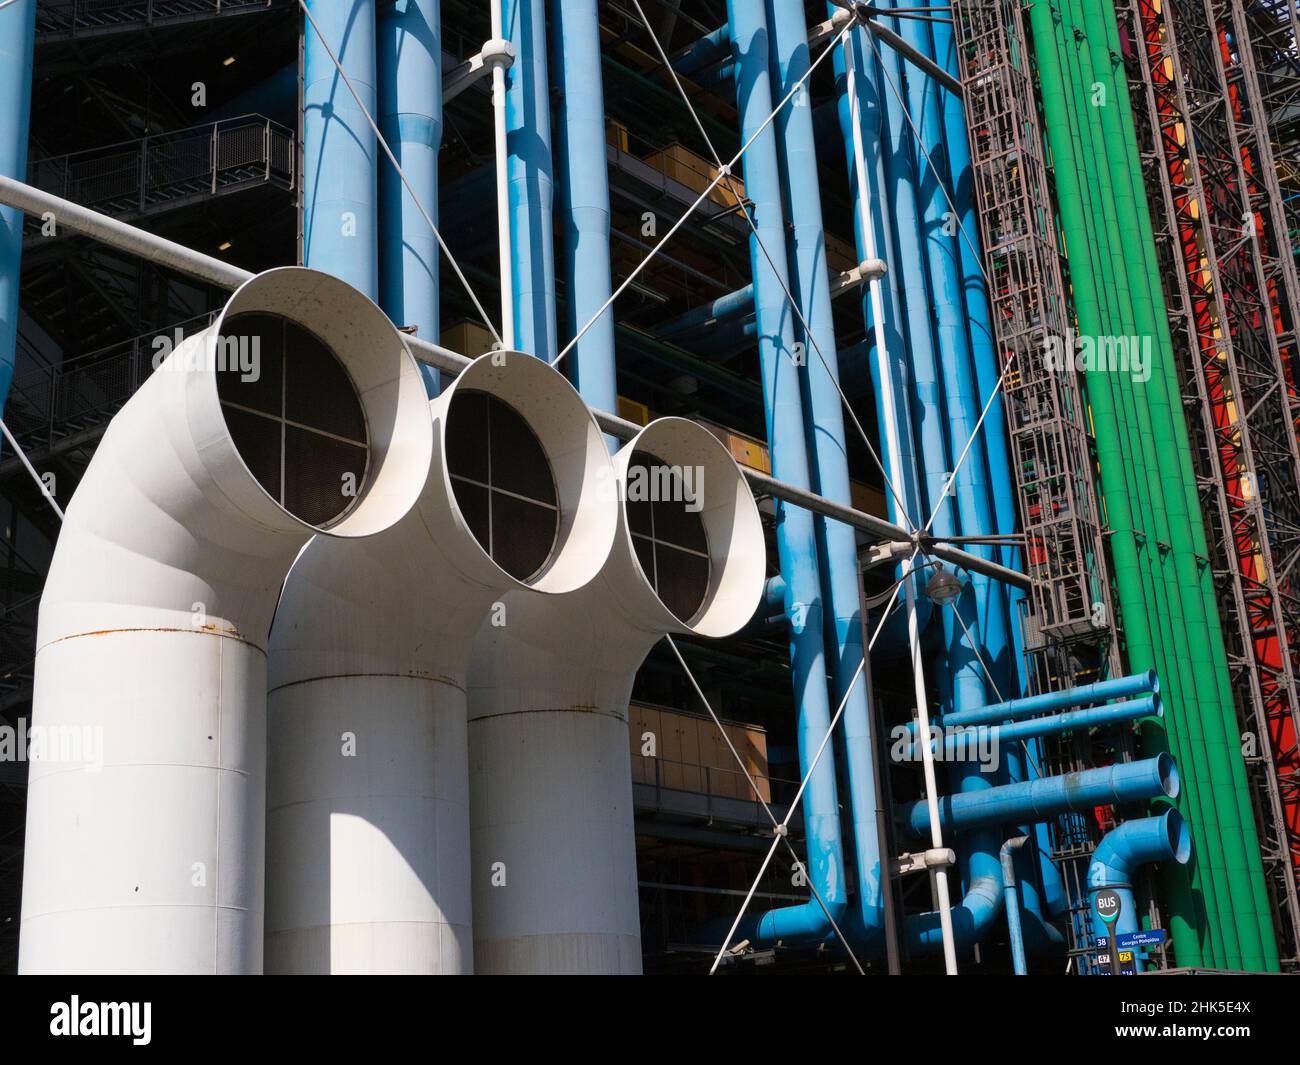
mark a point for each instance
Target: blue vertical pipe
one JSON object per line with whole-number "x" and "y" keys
{"x": 340, "y": 212}
{"x": 1149, "y": 839}
{"x": 410, "y": 118}
{"x": 796, "y": 535}
{"x": 584, "y": 200}
{"x": 836, "y": 541}
{"x": 959, "y": 679}
{"x": 906, "y": 506}
{"x": 938, "y": 42}
{"x": 529, "y": 174}
{"x": 17, "y": 41}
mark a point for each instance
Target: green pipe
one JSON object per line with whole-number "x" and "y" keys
{"x": 1166, "y": 604}
{"x": 1127, "y": 568}
{"x": 1208, "y": 659}
{"x": 1258, "y": 910}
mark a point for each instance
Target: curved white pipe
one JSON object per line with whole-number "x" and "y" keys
{"x": 554, "y": 862}
{"x": 368, "y": 792}
{"x": 152, "y": 637}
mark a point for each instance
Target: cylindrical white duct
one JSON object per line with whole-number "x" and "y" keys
{"x": 299, "y": 410}
{"x": 368, "y": 793}
{"x": 552, "y": 836}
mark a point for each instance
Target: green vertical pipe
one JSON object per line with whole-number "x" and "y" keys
{"x": 1250, "y": 870}
{"x": 1184, "y": 924}
{"x": 1169, "y": 607}
{"x": 1203, "y": 641}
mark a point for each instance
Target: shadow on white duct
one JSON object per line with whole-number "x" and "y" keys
{"x": 368, "y": 794}
{"x": 554, "y": 862}
{"x": 299, "y": 410}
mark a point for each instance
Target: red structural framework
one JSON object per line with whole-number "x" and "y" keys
{"x": 1230, "y": 286}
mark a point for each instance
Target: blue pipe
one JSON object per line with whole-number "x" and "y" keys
{"x": 528, "y": 171}
{"x": 942, "y": 48}
{"x": 824, "y": 431}
{"x": 584, "y": 198}
{"x": 410, "y": 118}
{"x": 1012, "y": 904}
{"x": 1149, "y": 839}
{"x": 982, "y": 737}
{"x": 17, "y": 41}
{"x": 796, "y": 536}
{"x": 867, "y": 100}
{"x": 732, "y": 305}
{"x": 707, "y": 50}
{"x": 340, "y": 215}
{"x": 1036, "y": 800}
{"x": 944, "y": 427}
{"x": 1137, "y": 684}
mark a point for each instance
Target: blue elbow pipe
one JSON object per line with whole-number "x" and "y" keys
{"x": 796, "y": 536}
{"x": 837, "y": 542}
{"x": 410, "y": 118}
{"x": 17, "y": 41}
{"x": 1036, "y": 800}
{"x": 529, "y": 175}
{"x": 1149, "y": 839}
{"x": 584, "y": 201}
{"x": 340, "y": 209}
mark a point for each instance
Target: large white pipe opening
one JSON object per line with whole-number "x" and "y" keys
{"x": 368, "y": 795}
{"x": 298, "y": 411}
{"x": 554, "y": 861}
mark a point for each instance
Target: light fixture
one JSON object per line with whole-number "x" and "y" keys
{"x": 223, "y": 246}
{"x": 944, "y": 586}
{"x": 228, "y": 60}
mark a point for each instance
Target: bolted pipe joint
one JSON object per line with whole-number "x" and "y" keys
{"x": 299, "y": 411}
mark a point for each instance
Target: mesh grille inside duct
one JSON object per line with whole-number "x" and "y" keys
{"x": 503, "y": 483}
{"x": 668, "y": 532}
{"x": 294, "y": 415}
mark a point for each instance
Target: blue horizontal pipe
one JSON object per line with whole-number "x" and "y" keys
{"x": 1037, "y": 800}
{"x": 707, "y": 50}
{"x": 981, "y": 737}
{"x": 731, "y": 305}
{"x": 1149, "y": 839}
{"x": 1119, "y": 688}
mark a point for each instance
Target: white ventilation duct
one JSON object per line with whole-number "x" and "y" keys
{"x": 368, "y": 795}
{"x": 298, "y": 411}
{"x": 554, "y": 862}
